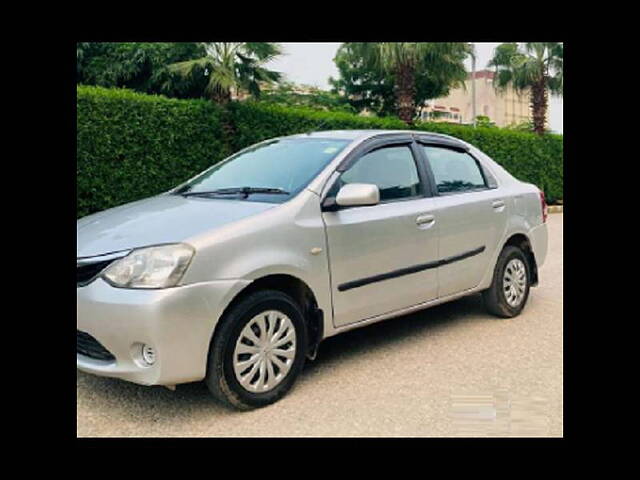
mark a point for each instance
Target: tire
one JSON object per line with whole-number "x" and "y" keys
{"x": 497, "y": 300}
{"x": 224, "y": 373}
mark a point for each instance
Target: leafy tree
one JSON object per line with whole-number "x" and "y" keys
{"x": 232, "y": 66}
{"x": 396, "y": 76}
{"x": 364, "y": 87}
{"x": 297, "y": 96}
{"x": 533, "y": 67}
{"x": 139, "y": 66}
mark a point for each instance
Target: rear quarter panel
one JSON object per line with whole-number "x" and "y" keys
{"x": 528, "y": 206}
{"x": 525, "y": 218}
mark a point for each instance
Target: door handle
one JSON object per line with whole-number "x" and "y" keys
{"x": 498, "y": 205}
{"x": 425, "y": 220}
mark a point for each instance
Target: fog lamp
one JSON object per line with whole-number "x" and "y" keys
{"x": 149, "y": 354}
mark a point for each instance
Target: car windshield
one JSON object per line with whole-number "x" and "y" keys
{"x": 271, "y": 172}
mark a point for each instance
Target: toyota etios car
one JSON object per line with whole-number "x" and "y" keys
{"x": 237, "y": 275}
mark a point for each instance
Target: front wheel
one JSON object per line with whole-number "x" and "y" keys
{"x": 258, "y": 351}
{"x": 509, "y": 289}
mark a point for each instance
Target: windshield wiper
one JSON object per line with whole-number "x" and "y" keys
{"x": 244, "y": 191}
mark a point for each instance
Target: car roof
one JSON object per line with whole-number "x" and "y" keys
{"x": 358, "y": 136}
{"x": 362, "y": 134}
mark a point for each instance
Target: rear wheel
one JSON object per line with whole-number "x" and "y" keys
{"x": 258, "y": 351}
{"x": 509, "y": 289}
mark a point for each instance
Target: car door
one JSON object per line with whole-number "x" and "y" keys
{"x": 381, "y": 257}
{"x": 472, "y": 216}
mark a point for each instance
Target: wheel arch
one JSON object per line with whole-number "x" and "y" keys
{"x": 297, "y": 289}
{"x": 522, "y": 241}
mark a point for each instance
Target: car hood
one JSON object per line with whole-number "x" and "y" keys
{"x": 158, "y": 220}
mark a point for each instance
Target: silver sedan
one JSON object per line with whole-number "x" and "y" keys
{"x": 237, "y": 275}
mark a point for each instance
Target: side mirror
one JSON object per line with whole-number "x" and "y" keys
{"x": 358, "y": 194}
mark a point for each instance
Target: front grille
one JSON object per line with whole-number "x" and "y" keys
{"x": 86, "y": 273}
{"x": 90, "y": 347}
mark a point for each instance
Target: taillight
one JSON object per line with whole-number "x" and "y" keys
{"x": 545, "y": 209}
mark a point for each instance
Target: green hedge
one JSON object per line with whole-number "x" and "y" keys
{"x": 255, "y": 121}
{"x": 130, "y": 145}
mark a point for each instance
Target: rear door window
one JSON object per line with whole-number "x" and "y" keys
{"x": 454, "y": 172}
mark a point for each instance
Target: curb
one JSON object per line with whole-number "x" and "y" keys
{"x": 554, "y": 208}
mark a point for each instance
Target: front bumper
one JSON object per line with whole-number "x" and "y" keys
{"x": 177, "y": 322}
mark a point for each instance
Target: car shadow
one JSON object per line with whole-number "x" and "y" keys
{"x": 386, "y": 334}
{"x": 153, "y": 404}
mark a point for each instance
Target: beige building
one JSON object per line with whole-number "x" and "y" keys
{"x": 502, "y": 107}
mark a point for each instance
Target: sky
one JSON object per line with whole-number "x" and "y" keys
{"x": 312, "y": 64}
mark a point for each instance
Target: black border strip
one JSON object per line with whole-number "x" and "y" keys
{"x": 409, "y": 270}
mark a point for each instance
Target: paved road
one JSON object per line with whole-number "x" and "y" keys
{"x": 452, "y": 370}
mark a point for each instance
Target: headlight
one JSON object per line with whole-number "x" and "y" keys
{"x": 153, "y": 267}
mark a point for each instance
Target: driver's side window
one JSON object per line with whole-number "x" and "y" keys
{"x": 392, "y": 169}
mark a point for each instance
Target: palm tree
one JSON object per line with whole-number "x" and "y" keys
{"x": 405, "y": 60}
{"x": 237, "y": 66}
{"x": 533, "y": 67}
